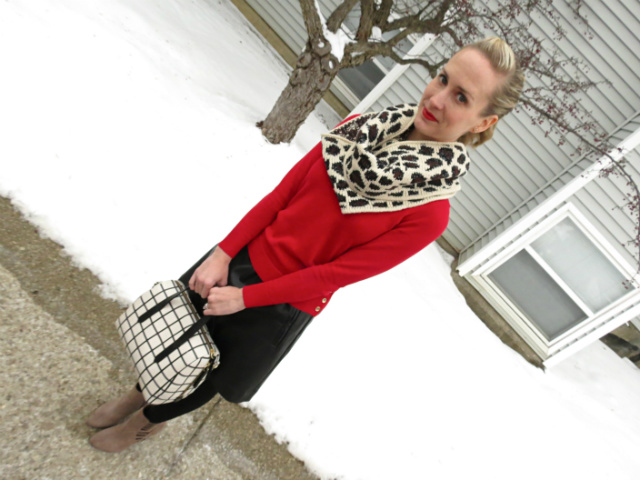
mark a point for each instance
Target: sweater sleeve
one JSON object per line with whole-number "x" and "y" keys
{"x": 411, "y": 235}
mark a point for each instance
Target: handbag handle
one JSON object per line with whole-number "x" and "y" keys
{"x": 184, "y": 337}
{"x": 157, "y": 307}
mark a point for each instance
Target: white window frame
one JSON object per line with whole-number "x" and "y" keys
{"x": 595, "y": 325}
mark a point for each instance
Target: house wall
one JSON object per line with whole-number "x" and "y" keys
{"x": 285, "y": 17}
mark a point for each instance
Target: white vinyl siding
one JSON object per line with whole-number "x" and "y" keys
{"x": 602, "y": 202}
{"x": 285, "y": 18}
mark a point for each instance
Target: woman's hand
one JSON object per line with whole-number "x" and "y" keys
{"x": 213, "y": 272}
{"x": 224, "y": 301}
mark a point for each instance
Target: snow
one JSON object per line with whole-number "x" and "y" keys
{"x": 376, "y": 34}
{"x": 338, "y": 40}
{"x": 128, "y": 134}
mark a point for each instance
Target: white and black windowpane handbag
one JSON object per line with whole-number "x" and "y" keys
{"x": 164, "y": 335}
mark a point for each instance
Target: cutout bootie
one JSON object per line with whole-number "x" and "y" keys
{"x": 116, "y": 410}
{"x": 120, "y": 437}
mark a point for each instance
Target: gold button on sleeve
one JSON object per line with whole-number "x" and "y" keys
{"x": 318, "y": 309}
{"x": 324, "y": 300}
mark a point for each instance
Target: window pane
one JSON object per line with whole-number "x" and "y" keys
{"x": 580, "y": 264}
{"x": 537, "y": 295}
{"x": 362, "y": 79}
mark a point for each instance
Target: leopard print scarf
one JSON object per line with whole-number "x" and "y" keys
{"x": 373, "y": 169}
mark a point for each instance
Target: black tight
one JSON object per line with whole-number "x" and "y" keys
{"x": 168, "y": 411}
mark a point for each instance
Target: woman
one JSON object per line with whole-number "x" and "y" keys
{"x": 372, "y": 194}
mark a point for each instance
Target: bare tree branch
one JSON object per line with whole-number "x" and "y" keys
{"x": 366, "y": 20}
{"x": 381, "y": 15}
{"x": 312, "y": 20}
{"x": 423, "y": 25}
{"x": 398, "y": 37}
{"x": 432, "y": 68}
{"x": 357, "y": 54}
{"x": 339, "y": 15}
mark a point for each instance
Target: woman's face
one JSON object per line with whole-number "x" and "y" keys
{"x": 453, "y": 102}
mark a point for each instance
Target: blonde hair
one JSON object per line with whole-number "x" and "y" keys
{"x": 506, "y": 95}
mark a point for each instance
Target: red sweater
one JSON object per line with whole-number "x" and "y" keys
{"x": 304, "y": 248}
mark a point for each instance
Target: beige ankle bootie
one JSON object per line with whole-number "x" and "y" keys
{"x": 119, "y": 437}
{"x": 114, "y": 411}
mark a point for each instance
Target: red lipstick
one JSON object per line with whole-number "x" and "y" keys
{"x": 428, "y": 115}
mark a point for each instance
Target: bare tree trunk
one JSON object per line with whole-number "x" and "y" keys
{"x": 315, "y": 69}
